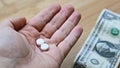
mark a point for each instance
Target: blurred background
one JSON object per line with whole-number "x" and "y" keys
{"x": 89, "y": 9}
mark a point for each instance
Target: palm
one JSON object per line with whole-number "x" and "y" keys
{"x": 60, "y": 32}
{"x": 51, "y": 57}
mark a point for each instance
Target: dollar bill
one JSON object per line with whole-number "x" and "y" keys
{"x": 102, "y": 48}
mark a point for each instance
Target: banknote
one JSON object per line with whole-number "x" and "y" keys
{"x": 102, "y": 47}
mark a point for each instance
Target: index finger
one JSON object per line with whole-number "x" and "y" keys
{"x": 40, "y": 20}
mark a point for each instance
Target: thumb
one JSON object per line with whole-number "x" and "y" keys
{"x": 16, "y": 23}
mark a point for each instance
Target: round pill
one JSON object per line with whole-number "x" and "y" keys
{"x": 44, "y": 46}
{"x": 115, "y": 31}
{"x": 39, "y": 41}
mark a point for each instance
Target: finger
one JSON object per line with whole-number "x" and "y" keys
{"x": 16, "y": 23}
{"x": 70, "y": 40}
{"x": 57, "y": 21}
{"x": 66, "y": 28}
{"x": 45, "y": 16}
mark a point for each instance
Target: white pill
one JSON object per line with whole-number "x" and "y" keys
{"x": 40, "y": 41}
{"x": 44, "y": 46}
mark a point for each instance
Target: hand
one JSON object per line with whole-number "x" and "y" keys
{"x": 56, "y": 25}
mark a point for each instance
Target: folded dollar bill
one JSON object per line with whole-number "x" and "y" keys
{"x": 102, "y": 48}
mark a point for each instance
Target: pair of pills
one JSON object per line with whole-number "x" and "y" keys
{"x": 41, "y": 43}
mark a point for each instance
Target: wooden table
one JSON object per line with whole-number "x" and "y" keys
{"x": 89, "y": 9}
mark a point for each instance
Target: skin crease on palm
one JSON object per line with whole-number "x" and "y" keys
{"x": 56, "y": 25}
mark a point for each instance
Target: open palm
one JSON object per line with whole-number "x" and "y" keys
{"x": 56, "y": 25}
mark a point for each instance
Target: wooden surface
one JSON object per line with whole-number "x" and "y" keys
{"x": 89, "y": 9}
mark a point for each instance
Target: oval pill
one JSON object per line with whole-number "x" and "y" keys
{"x": 44, "y": 46}
{"x": 40, "y": 41}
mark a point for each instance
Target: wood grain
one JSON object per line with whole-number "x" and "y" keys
{"x": 89, "y": 9}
